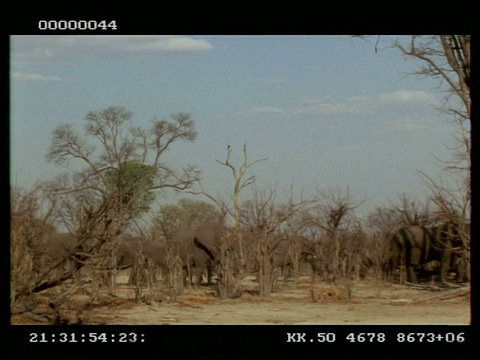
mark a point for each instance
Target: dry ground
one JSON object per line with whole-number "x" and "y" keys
{"x": 356, "y": 302}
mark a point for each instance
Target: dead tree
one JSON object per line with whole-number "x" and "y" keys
{"x": 266, "y": 219}
{"x": 234, "y": 253}
{"x": 333, "y": 216}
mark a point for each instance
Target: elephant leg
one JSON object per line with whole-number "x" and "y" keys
{"x": 444, "y": 266}
{"x": 201, "y": 272}
{"x": 196, "y": 276}
{"x": 191, "y": 276}
{"x": 209, "y": 274}
{"x": 411, "y": 276}
{"x": 410, "y": 268}
{"x": 186, "y": 276}
{"x": 462, "y": 268}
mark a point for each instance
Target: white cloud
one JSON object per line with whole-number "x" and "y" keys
{"x": 33, "y": 77}
{"x": 264, "y": 111}
{"x": 411, "y": 126}
{"x": 142, "y": 43}
{"x": 403, "y": 96}
{"x": 397, "y": 101}
{"x": 181, "y": 44}
{"x": 327, "y": 109}
{"x": 29, "y": 48}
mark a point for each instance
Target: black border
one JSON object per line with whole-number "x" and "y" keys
{"x": 230, "y": 341}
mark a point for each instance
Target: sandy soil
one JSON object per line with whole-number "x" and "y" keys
{"x": 354, "y": 302}
{"x": 369, "y": 302}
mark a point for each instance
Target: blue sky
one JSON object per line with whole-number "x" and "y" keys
{"x": 326, "y": 111}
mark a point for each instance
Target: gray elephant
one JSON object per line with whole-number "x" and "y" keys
{"x": 141, "y": 255}
{"x": 416, "y": 246}
{"x": 199, "y": 249}
{"x": 196, "y": 247}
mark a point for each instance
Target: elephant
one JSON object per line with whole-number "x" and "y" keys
{"x": 195, "y": 247}
{"x": 199, "y": 250}
{"x": 139, "y": 255}
{"x": 416, "y": 246}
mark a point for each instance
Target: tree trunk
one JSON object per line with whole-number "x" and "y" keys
{"x": 266, "y": 272}
{"x": 336, "y": 258}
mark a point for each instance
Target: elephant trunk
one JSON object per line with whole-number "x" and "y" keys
{"x": 199, "y": 245}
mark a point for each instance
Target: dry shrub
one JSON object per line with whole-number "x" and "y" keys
{"x": 246, "y": 296}
{"x": 330, "y": 292}
{"x": 24, "y": 234}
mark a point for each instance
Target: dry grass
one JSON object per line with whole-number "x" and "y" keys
{"x": 77, "y": 310}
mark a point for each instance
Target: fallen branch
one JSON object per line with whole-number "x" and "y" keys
{"x": 38, "y": 318}
{"x": 429, "y": 287}
{"x": 446, "y": 295}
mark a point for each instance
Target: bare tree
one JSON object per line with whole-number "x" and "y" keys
{"x": 410, "y": 212}
{"x": 452, "y": 215}
{"x": 171, "y": 221}
{"x": 333, "y": 217}
{"x": 266, "y": 220}
{"x": 296, "y": 233}
{"x": 446, "y": 57}
{"x": 230, "y": 283}
{"x": 27, "y": 234}
{"x": 112, "y": 171}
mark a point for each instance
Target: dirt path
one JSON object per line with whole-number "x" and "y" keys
{"x": 370, "y": 303}
{"x": 277, "y": 312}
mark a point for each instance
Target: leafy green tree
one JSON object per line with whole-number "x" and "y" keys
{"x": 130, "y": 182}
